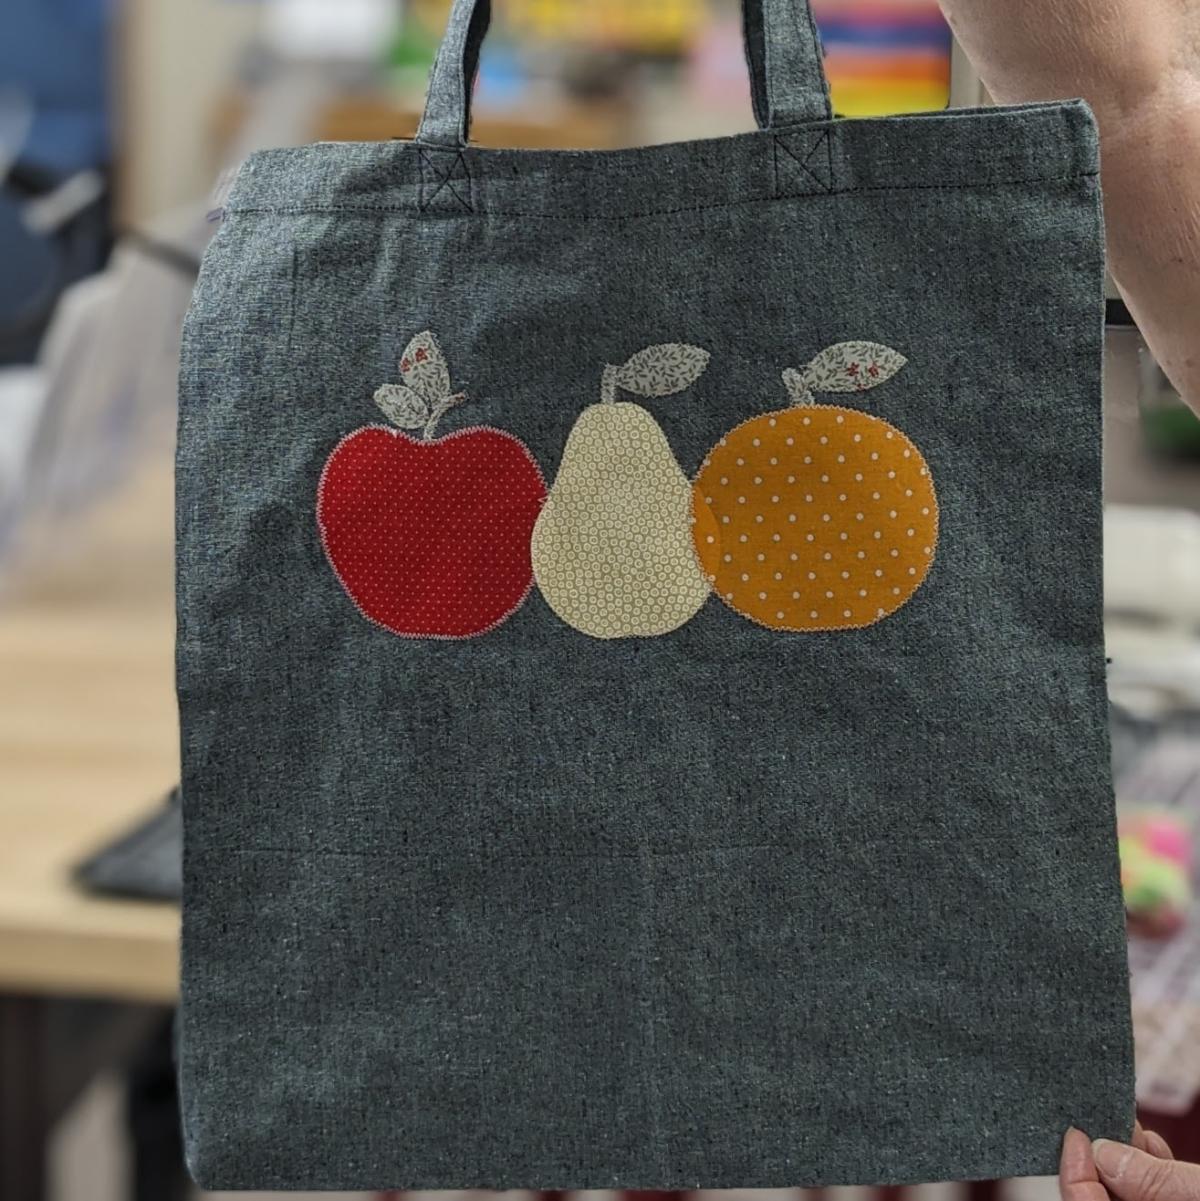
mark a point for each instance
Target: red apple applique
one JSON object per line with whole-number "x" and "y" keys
{"x": 430, "y": 536}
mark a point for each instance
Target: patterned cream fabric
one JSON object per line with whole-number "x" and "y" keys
{"x": 612, "y": 548}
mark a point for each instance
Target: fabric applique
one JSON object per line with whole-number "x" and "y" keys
{"x": 430, "y": 536}
{"x": 612, "y": 547}
{"x": 818, "y": 517}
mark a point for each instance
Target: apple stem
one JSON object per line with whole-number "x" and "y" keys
{"x": 439, "y": 411}
{"x": 798, "y": 389}
{"x": 608, "y": 385}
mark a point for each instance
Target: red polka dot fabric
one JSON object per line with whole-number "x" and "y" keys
{"x": 431, "y": 539}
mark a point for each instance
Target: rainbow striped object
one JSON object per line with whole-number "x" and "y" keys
{"x": 885, "y": 56}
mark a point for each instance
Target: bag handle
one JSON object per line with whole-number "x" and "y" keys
{"x": 783, "y": 51}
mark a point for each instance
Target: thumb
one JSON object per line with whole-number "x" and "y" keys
{"x": 1132, "y": 1175}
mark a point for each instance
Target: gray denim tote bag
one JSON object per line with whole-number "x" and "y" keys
{"x": 640, "y": 655}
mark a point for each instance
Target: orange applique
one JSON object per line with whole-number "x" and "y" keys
{"x": 818, "y": 517}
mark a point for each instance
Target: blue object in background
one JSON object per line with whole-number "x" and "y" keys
{"x": 56, "y": 51}
{"x": 53, "y": 54}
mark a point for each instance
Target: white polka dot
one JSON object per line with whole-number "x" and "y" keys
{"x": 842, "y": 496}
{"x": 807, "y": 460}
{"x": 895, "y": 591}
{"x": 745, "y": 578}
{"x": 862, "y": 592}
{"x": 813, "y": 614}
{"x": 776, "y": 537}
{"x": 812, "y": 575}
{"x": 840, "y": 419}
{"x": 845, "y": 575}
{"x": 771, "y": 422}
{"x": 824, "y": 479}
{"x": 791, "y": 517}
{"x": 858, "y": 517}
{"x": 862, "y": 554}
{"x": 907, "y": 453}
{"x": 741, "y": 500}
{"x": 844, "y": 537}
{"x": 762, "y": 596}
{"x": 824, "y": 516}
{"x": 841, "y": 458}
{"x": 824, "y": 439}
{"x": 829, "y": 595}
{"x": 754, "y": 442}
{"x": 779, "y": 575}
{"x": 793, "y": 556}
{"x": 874, "y": 454}
{"x": 878, "y": 572}
{"x": 810, "y": 537}
{"x": 808, "y": 421}
{"x": 710, "y": 538}
{"x": 827, "y": 555}
{"x": 911, "y": 532}
{"x": 895, "y": 554}
{"x": 725, "y": 520}
{"x": 925, "y": 511}
{"x": 758, "y": 479}
{"x": 889, "y": 433}
{"x": 790, "y": 441}
{"x": 908, "y": 492}
{"x": 743, "y": 537}
{"x": 728, "y": 558}
{"x": 858, "y": 476}
{"x": 874, "y": 495}
{"x": 775, "y": 500}
{"x": 762, "y": 558}
{"x": 795, "y": 596}
{"x": 779, "y": 615}
{"x": 774, "y": 461}
{"x": 928, "y": 550}
{"x": 912, "y": 571}
{"x": 724, "y": 479}
{"x": 845, "y": 612}
{"x": 741, "y": 462}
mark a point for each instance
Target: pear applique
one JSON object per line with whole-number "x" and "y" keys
{"x": 612, "y": 546}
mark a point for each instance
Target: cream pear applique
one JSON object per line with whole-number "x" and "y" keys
{"x": 612, "y": 546}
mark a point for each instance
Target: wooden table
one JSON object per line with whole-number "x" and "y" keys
{"x": 88, "y": 744}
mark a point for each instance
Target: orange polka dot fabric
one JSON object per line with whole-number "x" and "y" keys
{"x": 816, "y": 517}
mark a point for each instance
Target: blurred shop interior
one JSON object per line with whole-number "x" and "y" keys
{"x": 121, "y": 122}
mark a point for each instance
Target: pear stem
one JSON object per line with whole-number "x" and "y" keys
{"x": 439, "y": 411}
{"x": 608, "y": 385}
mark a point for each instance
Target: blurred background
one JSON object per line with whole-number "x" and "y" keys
{"x": 121, "y": 122}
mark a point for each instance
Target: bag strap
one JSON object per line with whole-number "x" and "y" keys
{"x": 783, "y": 51}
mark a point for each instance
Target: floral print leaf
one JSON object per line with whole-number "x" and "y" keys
{"x": 663, "y": 369}
{"x": 402, "y": 406}
{"x": 852, "y": 367}
{"x": 798, "y": 390}
{"x": 424, "y": 369}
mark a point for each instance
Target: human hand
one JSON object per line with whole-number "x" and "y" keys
{"x": 1145, "y": 1171}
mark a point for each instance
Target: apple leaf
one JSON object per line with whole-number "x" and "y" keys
{"x": 663, "y": 369}
{"x": 402, "y": 406}
{"x": 424, "y": 369}
{"x": 852, "y": 367}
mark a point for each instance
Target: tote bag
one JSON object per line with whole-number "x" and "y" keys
{"x": 640, "y": 655}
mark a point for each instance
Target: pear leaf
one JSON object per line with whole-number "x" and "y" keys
{"x": 424, "y": 369}
{"x": 852, "y": 367}
{"x": 663, "y": 369}
{"x": 402, "y": 406}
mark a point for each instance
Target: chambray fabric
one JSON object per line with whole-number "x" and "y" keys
{"x": 726, "y": 907}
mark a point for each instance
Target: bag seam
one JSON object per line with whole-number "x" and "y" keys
{"x": 301, "y": 210}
